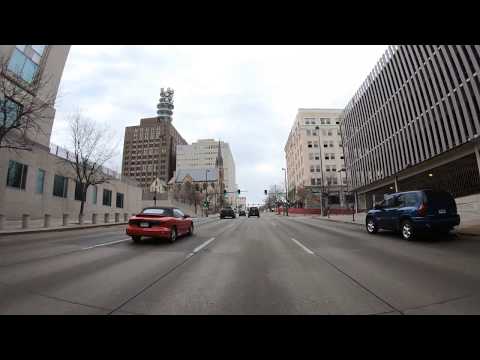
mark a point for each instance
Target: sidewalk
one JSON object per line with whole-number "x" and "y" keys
{"x": 469, "y": 221}
{"x": 13, "y": 227}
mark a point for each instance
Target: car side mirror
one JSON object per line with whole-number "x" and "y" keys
{"x": 186, "y": 216}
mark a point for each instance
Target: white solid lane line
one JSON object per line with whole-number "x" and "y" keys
{"x": 303, "y": 247}
{"x": 108, "y": 243}
{"x": 200, "y": 247}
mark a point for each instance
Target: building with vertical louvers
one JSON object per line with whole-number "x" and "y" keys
{"x": 414, "y": 123}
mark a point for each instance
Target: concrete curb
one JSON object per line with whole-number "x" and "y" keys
{"x": 54, "y": 229}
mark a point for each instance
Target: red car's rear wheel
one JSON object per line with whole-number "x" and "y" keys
{"x": 173, "y": 235}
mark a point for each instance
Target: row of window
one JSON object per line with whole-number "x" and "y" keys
{"x": 325, "y": 144}
{"x": 17, "y": 178}
{"x": 329, "y": 132}
{"x": 425, "y": 101}
{"x": 329, "y": 181}
{"x": 322, "y": 121}
{"x": 317, "y": 168}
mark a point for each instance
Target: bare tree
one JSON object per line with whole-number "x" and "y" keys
{"x": 92, "y": 148}
{"x": 21, "y": 111}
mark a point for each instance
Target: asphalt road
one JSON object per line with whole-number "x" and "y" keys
{"x": 271, "y": 265}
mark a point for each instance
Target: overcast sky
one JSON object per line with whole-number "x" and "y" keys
{"x": 247, "y": 96}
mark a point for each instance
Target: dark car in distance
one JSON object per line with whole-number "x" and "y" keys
{"x": 253, "y": 211}
{"x": 413, "y": 212}
{"x": 159, "y": 222}
{"x": 227, "y": 212}
{"x": 241, "y": 213}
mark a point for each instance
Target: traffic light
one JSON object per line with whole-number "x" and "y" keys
{"x": 238, "y": 191}
{"x": 265, "y": 191}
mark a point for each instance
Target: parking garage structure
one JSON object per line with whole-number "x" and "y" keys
{"x": 414, "y": 124}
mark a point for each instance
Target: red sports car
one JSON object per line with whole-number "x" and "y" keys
{"x": 162, "y": 222}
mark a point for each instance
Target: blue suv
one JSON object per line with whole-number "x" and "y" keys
{"x": 414, "y": 211}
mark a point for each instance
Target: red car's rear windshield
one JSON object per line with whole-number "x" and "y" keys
{"x": 164, "y": 212}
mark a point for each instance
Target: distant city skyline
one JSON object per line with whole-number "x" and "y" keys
{"x": 247, "y": 96}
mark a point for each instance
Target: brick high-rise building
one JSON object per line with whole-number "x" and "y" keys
{"x": 149, "y": 149}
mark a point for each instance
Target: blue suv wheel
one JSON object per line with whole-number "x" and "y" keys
{"x": 372, "y": 227}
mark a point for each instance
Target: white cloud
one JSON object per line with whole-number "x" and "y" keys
{"x": 246, "y": 95}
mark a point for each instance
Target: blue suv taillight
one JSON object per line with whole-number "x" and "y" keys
{"x": 422, "y": 210}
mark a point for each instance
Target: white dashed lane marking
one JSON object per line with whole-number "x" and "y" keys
{"x": 303, "y": 246}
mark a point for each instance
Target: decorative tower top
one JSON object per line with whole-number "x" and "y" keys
{"x": 165, "y": 105}
{"x": 219, "y": 160}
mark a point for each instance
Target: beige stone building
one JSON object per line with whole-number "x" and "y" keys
{"x": 203, "y": 154}
{"x": 314, "y": 156}
{"x": 39, "y": 182}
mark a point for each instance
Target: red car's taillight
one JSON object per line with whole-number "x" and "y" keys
{"x": 422, "y": 210}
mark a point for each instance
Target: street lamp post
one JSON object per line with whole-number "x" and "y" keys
{"x": 321, "y": 167}
{"x": 286, "y": 193}
{"x": 206, "y": 192}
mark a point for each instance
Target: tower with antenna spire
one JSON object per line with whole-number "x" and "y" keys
{"x": 165, "y": 105}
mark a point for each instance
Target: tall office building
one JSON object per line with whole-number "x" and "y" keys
{"x": 203, "y": 154}
{"x": 150, "y": 148}
{"x": 314, "y": 156}
{"x": 415, "y": 123}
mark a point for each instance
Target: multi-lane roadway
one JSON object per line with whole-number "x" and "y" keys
{"x": 271, "y": 265}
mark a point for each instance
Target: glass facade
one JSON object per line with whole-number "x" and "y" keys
{"x": 25, "y": 61}
{"x": 60, "y": 186}
{"x": 107, "y": 197}
{"x": 17, "y": 174}
{"x": 40, "y": 181}
{"x": 9, "y": 111}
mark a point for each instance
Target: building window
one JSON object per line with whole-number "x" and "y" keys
{"x": 309, "y": 144}
{"x": 119, "y": 200}
{"x": 107, "y": 197}
{"x": 78, "y": 191}
{"x": 318, "y": 168}
{"x": 317, "y": 157}
{"x": 40, "y": 181}
{"x": 17, "y": 174}
{"x": 331, "y": 143}
{"x": 327, "y": 168}
{"x": 309, "y": 132}
{"x": 9, "y": 112}
{"x": 329, "y": 132}
{"x": 332, "y": 156}
{"x": 334, "y": 181}
{"x": 327, "y": 121}
{"x": 94, "y": 193}
{"x": 310, "y": 156}
{"x": 322, "y": 121}
{"x": 312, "y": 181}
{"x": 312, "y": 168}
{"x": 325, "y": 144}
{"x": 327, "y": 156}
{"x": 319, "y": 181}
{"x": 60, "y": 186}
{"x": 25, "y": 60}
{"x": 315, "y": 144}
